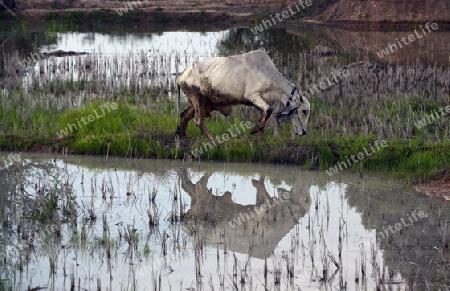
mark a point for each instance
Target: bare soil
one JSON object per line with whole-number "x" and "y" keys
{"x": 142, "y": 11}
{"x": 439, "y": 188}
{"x": 351, "y": 13}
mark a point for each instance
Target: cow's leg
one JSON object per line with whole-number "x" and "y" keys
{"x": 258, "y": 102}
{"x": 186, "y": 115}
{"x": 258, "y": 115}
{"x": 225, "y": 110}
{"x": 198, "y": 102}
{"x": 208, "y": 109}
{"x": 273, "y": 123}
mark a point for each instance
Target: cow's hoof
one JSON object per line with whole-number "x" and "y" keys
{"x": 180, "y": 134}
{"x": 254, "y": 130}
{"x": 181, "y": 137}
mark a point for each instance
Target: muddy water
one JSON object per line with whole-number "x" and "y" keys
{"x": 121, "y": 224}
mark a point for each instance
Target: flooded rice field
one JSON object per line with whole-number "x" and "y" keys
{"x": 97, "y": 223}
{"x": 108, "y": 223}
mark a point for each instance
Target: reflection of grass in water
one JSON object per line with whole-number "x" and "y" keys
{"x": 73, "y": 17}
{"x": 50, "y": 205}
{"x": 6, "y": 284}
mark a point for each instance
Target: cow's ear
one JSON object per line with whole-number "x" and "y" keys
{"x": 285, "y": 115}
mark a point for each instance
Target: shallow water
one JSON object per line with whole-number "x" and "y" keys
{"x": 198, "y": 242}
{"x": 431, "y": 48}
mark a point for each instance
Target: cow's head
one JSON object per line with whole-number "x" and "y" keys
{"x": 297, "y": 110}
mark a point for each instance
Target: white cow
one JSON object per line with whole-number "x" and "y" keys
{"x": 249, "y": 79}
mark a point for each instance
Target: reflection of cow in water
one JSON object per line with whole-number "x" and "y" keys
{"x": 237, "y": 227}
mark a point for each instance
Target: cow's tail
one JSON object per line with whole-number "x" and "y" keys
{"x": 178, "y": 110}
{"x": 178, "y": 99}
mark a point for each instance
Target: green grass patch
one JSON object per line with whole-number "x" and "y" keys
{"x": 126, "y": 129}
{"x": 73, "y": 18}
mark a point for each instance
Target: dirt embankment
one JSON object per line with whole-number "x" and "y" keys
{"x": 432, "y": 47}
{"x": 354, "y": 13}
{"x": 386, "y": 12}
{"x": 150, "y": 10}
{"x": 88, "y": 13}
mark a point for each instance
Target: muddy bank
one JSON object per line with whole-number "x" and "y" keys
{"x": 439, "y": 187}
{"x": 89, "y": 18}
{"x": 385, "y": 13}
{"x": 367, "y": 14}
{"x": 124, "y": 12}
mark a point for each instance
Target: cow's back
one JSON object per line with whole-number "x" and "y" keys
{"x": 233, "y": 76}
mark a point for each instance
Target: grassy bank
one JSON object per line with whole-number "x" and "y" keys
{"x": 129, "y": 130}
